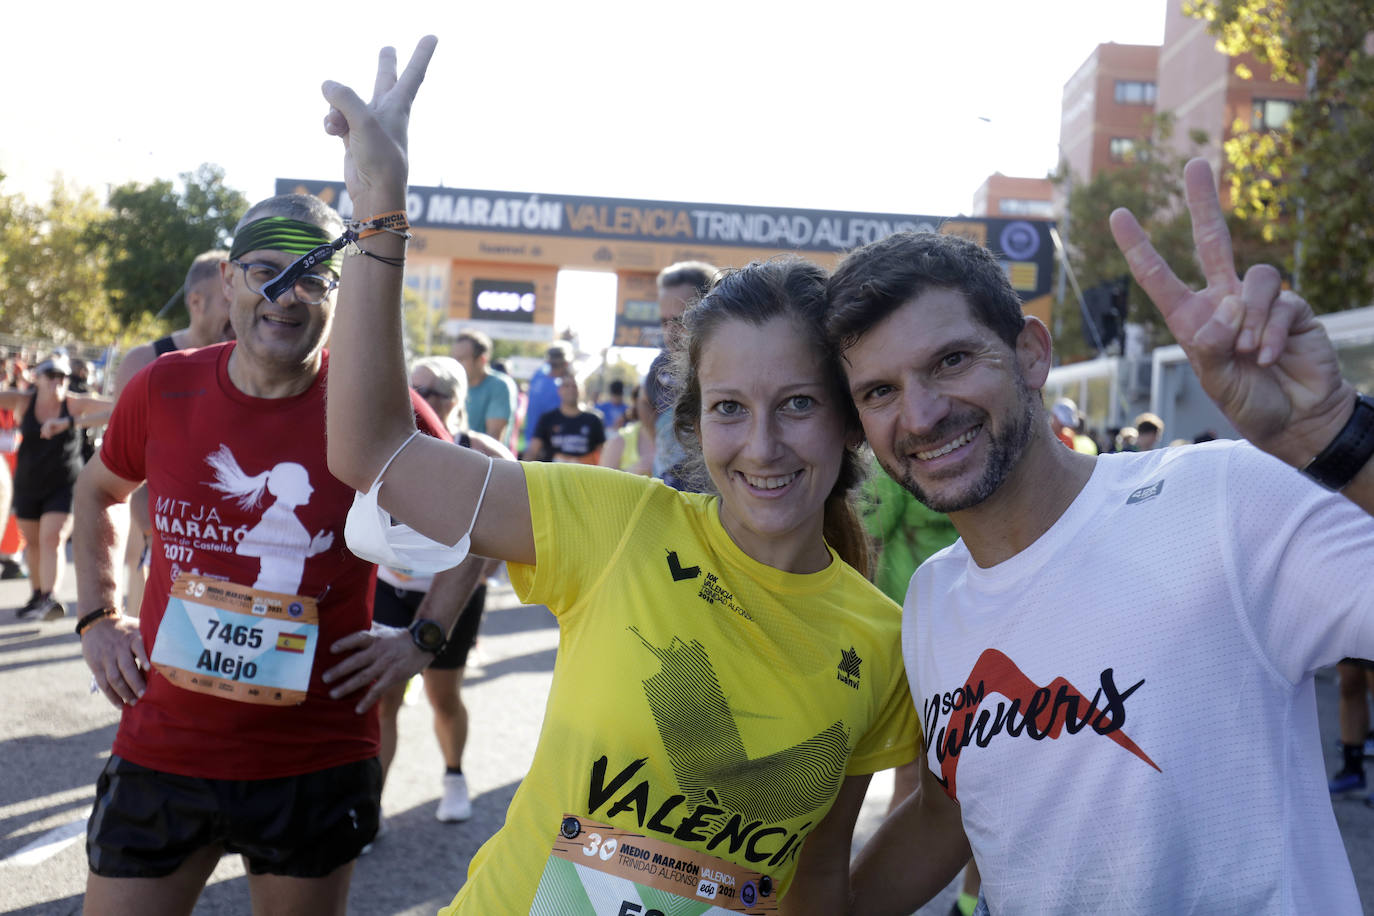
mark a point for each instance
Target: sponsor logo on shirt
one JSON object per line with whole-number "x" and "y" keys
{"x": 848, "y": 672}
{"x": 958, "y": 718}
{"x": 1144, "y": 493}
{"x": 677, "y": 571}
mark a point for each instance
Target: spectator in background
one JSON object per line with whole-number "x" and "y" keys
{"x": 80, "y": 381}
{"x": 491, "y": 394}
{"x": 1149, "y": 432}
{"x": 622, "y": 449}
{"x": 570, "y": 432}
{"x": 1068, "y": 427}
{"x": 543, "y": 387}
{"x": 402, "y": 596}
{"x": 1355, "y": 677}
{"x": 614, "y": 408}
{"x": 679, "y": 285}
{"x": 207, "y": 304}
{"x": 11, "y": 542}
{"x": 48, "y": 462}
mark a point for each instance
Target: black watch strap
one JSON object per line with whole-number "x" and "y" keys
{"x": 1351, "y": 450}
{"x": 427, "y": 635}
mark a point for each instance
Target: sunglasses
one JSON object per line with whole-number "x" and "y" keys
{"x": 427, "y": 392}
{"x": 53, "y": 374}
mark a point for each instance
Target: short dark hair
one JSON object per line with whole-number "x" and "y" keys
{"x": 481, "y": 343}
{"x": 305, "y": 208}
{"x": 788, "y": 287}
{"x": 696, "y": 274}
{"x": 874, "y": 281}
{"x": 616, "y": 387}
{"x": 204, "y": 267}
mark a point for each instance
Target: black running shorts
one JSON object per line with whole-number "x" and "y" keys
{"x": 146, "y": 823}
{"x": 33, "y": 506}
{"x": 396, "y": 607}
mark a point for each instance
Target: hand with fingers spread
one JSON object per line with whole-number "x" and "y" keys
{"x": 375, "y": 133}
{"x": 382, "y": 657}
{"x": 113, "y": 649}
{"x": 1258, "y": 350}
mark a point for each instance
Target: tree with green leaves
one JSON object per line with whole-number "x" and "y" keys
{"x": 52, "y": 277}
{"x": 1149, "y": 181}
{"x": 153, "y": 232}
{"x": 1307, "y": 185}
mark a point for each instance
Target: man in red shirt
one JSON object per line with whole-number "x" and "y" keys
{"x": 242, "y": 730}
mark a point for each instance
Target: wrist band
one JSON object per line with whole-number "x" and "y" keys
{"x": 1339, "y": 462}
{"x": 394, "y": 222}
{"x": 100, "y": 613}
{"x": 354, "y": 248}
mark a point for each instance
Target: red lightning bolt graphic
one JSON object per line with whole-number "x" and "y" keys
{"x": 999, "y": 674}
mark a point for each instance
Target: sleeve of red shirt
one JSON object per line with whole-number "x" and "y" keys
{"x": 426, "y": 420}
{"x": 124, "y": 447}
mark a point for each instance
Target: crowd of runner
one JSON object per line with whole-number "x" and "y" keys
{"x": 754, "y": 630}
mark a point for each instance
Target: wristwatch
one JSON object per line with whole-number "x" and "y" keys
{"x": 1352, "y": 448}
{"x": 427, "y": 634}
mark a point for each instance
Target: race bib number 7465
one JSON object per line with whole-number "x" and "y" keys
{"x": 236, "y": 642}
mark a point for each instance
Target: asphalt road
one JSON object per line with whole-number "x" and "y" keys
{"x": 56, "y": 735}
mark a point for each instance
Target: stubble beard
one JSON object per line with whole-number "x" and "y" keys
{"x": 1004, "y": 452}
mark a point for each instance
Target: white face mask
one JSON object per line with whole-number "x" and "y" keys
{"x": 372, "y": 537}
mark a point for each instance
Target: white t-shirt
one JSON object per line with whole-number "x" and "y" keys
{"x": 1184, "y": 598}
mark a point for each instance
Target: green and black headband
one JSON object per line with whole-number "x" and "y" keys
{"x": 277, "y": 233}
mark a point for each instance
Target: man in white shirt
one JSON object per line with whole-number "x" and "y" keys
{"x": 1108, "y": 752}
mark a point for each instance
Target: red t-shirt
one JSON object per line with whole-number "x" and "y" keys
{"x": 172, "y": 417}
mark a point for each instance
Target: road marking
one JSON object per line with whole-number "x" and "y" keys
{"x": 49, "y": 844}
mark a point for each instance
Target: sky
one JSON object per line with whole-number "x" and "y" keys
{"x": 895, "y": 107}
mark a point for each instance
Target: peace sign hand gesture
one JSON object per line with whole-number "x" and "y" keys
{"x": 374, "y": 133}
{"x": 1258, "y": 350}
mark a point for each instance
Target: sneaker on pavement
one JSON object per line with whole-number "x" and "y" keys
{"x": 52, "y": 610}
{"x": 381, "y": 831}
{"x": 455, "y": 805}
{"x": 33, "y": 604}
{"x": 1346, "y": 782}
{"x": 9, "y": 569}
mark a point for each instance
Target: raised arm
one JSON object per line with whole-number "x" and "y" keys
{"x": 1257, "y": 348}
{"x": 368, "y": 406}
{"x": 15, "y": 400}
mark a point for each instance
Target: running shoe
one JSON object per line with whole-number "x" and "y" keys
{"x": 34, "y": 603}
{"x": 1346, "y": 782}
{"x": 9, "y": 569}
{"x": 53, "y": 610}
{"x": 455, "y": 805}
{"x": 381, "y": 831}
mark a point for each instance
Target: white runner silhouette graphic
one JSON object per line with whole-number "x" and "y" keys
{"x": 279, "y": 539}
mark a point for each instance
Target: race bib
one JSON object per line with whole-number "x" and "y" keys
{"x": 236, "y": 642}
{"x": 599, "y": 870}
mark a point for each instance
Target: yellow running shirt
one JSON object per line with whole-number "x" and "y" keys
{"x": 699, "y": 698}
